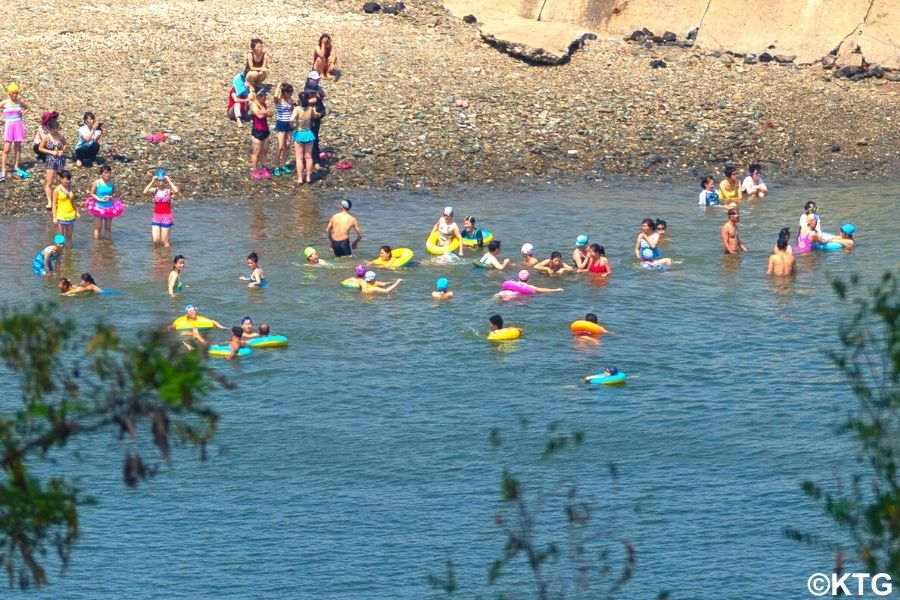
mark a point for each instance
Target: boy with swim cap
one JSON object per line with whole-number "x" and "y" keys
{"x": 312, "y": 258}
{"x": 45, "y": 261}
{"x": 370, "y": 286}
{"x": 442, "y": 293}
{"x": 528, "y": 259}
{"x": 580, "y": 254}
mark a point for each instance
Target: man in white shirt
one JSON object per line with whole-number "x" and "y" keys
{"x": 753, "y": 185}
{"x": 87, "y": 145}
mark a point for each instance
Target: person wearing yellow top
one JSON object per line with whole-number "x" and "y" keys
{"x": 63, "y": 205}
{"x": 729, "y": 188}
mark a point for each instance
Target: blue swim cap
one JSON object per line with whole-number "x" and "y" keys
{"x": 581, "y": 240}
{"x": 848, "y": 228}
{"x": 160, "y": 173}
{"x": 442, "y": 284}
{"x": 188, "y": 308}
{"x": 59, "y": 239}
{"x": 647, "y": 254}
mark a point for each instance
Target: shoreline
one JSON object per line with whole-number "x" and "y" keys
{"x": 392, "y": 113}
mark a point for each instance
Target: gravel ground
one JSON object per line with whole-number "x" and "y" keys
{"x": 165, "y": 66}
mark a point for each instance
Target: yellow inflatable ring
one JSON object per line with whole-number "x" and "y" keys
{"x": 182, "y": 323}
{"x": 433, "y": 248}
{"x": 582, "y": 327}
{"x": 399, "y": 257}
{"x": 502, "y": 335}
{"x": 352, "y": 282}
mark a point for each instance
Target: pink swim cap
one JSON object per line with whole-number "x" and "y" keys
{"x": 523, "y": 275}
{"x": 360, "y": 270}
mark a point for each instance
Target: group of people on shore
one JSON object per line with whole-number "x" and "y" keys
{"x": 297, "y": 122}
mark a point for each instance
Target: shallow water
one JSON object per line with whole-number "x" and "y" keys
{"x": 356, "y": 462}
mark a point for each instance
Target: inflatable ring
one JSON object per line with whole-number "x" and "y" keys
{"x": 400, "y": 257}
{"x": 268, "y": 341}
{"x": 511, "y": 285}
{"x": 352, "y": 282}
{"x": 105, "y": 209}
{"x": 828, "y": 246}
{"x": 601, "y": 379}
{"x": 502, "y": 335}
{"x": 433, "y": 248}
{"x": 183, "y": 324}
{"x": 225, "y": 350}
{"x": 583, "y": 327}
{"x": 486, "y": 237}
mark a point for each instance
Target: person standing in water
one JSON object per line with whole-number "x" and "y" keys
{"x": 731, "y": 239}
{"x": 447, "y": 230}
{"x": 338, "y": 231}
{"x": 782, "y": 261}
{"x": 174, "y": 284}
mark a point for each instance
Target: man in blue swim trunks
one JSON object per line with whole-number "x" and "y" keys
{"x": 338, "y": 230}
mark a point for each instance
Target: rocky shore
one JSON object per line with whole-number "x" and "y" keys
{"x": 616, "y": 109}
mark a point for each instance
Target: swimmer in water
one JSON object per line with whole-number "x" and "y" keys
{"x": 729, "y": 188}
{"x": 190, "y": 314}
{"x": 247, "y": 329}
{"x": 495, "y": 323}
{"x": 472, "y": 233}
{"x": 528, "y": 259}
{"x": 175, "y": 285}
{"x": 782, "y": 261}
{"x": 580, "y": 253}
{"x": 447, "y": 230}
{"x": 523, "y": 280}
{"x": 264, "y": 330}
{"x": 490, "y": 257}
{"x": 441, "y": 291}
{"x": 256, "y": 278}
{"x": 45, "y": 261}
{"x": 731, "y": 238}
{"x": 312, "y": 258}
{"x": 384, "y": 257}
{"x": 753, "y": 186}
{"x": 235, "y": 343}
{"x": 371, "y": 286}
{"x": 607, "y": 372}
{"x": 553, "y": 265}
{"x": 598, "y": 264}
{"x": 646, "y": 245}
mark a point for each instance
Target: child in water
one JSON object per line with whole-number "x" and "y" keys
{"x": 87, "y": 284}
{"x": 235, "y": 342}
{"x": 441, "y": 292}
{"x": 247, "y": 329}
{"x": 607, "y": 372}
{"x": 45, "y": 261}
{"x": 256, "y": 278}
{"x": 312, "y": 258}
{"x": 496, "y": 322}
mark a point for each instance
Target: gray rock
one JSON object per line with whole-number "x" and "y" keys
{"x": 658, "y": 64}
{"x": 835, "y": 148}
{"x": 787, "y": 58}
{"x": 692, "y": 34}
{"x": 751, "y": 59}
{"x": 727, "y": 59}
{"x": 828, "y": 61}
{"x": 393, "y": 9}
{"x": 765, "y": 57}
{"x": 533, "y": 55}
{"x": 848, "y": 72}
{"x": 371, "y": 7}
{"x": 636, "y": 36}
{"x": 669, "y": 37}
{"x": 470, "y": 19}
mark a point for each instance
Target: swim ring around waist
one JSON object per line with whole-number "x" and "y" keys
{"x": 225, "y": 350}
{"x": 182, "y": 323}
{"x": 105, "y": 209}
{"x": 400, "y": 257}
{"x": 517, "y": 286}
{"x": 502, "y": 335}
{"x": 601, "y": 379}
{"x": 486, "y": 237}
{"x": 352, "y": 282}
{"x": 583, "y": 327}
{"x": 268, "y": 341}
{"x": 433, "y": 248}
{"x": 828, "y": 246}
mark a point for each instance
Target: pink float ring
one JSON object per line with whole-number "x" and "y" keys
{"x": 512, "y": 285}
{"x": 106, "y": 209}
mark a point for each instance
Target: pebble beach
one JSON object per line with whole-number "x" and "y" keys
{"x": 147, "y": 68}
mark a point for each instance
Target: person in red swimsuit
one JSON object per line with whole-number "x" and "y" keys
{"x": 597, "y": 261}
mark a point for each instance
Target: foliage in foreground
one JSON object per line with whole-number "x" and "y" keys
{"x": 868, "y": 510}
{"x": 76, "y": 385}
{"x": 564, "y": 544}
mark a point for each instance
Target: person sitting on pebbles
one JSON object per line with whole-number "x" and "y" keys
{"x": 324, "y": 57}
{"x": 87, "y": 144}
{"x": 257, "y": 68}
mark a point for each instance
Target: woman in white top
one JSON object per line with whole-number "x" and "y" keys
{"x": 447, "y": 230}
{"x": 753, "y": 186}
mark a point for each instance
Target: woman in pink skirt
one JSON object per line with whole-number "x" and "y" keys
{"x": 14, "y": 110}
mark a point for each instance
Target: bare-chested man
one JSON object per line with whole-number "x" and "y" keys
{"x": 338, "y": 230}
{"x": 781, "y": 262}
{"x": 731, "y": 239}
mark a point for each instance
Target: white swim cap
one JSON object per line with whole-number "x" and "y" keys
{"x": 370, "y": 275}
{"x": 527, "y": 249}
{"x": 448, "y": 211}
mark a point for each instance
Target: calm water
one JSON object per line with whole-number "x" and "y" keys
{"x": 356, "y": 462}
